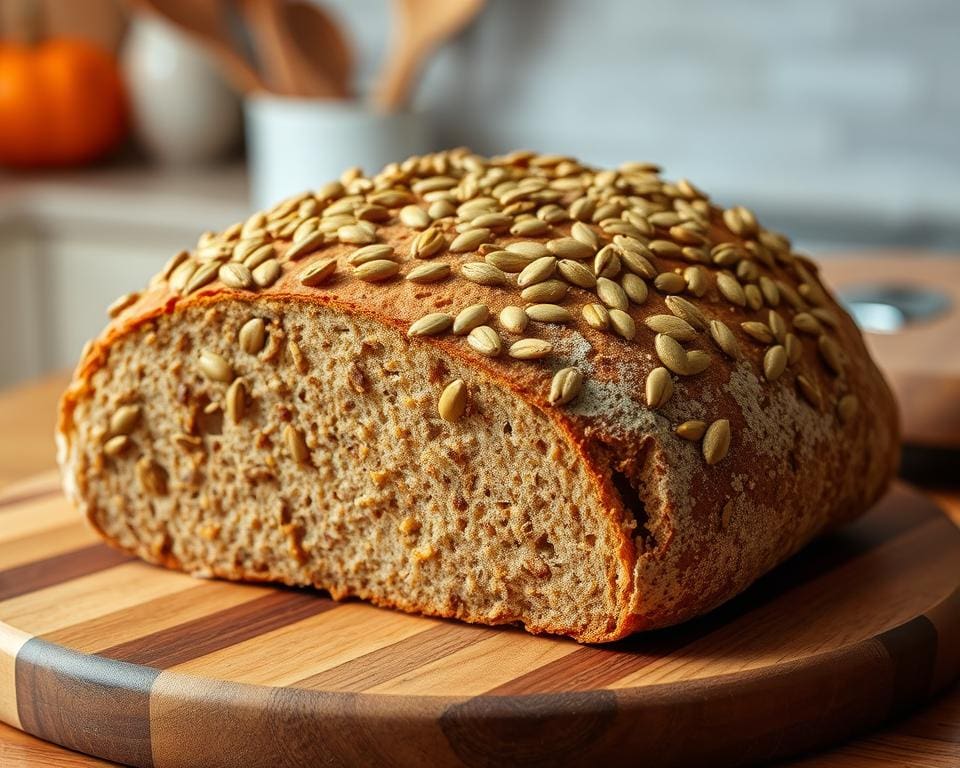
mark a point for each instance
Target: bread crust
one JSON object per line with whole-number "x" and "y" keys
{"x": 703, "y": 532}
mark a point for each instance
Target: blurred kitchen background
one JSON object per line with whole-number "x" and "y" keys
{"x": 838, "y": 121}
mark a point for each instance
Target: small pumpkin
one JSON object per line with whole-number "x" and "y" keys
{"x": 61, "y": 103}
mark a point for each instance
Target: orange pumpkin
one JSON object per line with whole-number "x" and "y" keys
{"x": 61, "y": 103}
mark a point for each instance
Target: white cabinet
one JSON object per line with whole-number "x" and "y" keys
{"x": 69, "y": 247}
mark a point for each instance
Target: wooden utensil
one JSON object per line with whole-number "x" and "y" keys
{"x": 421, "y": 27}
{"x": 147, "y": 666}
{"x": 321, "y": 43}
{"x": 292, "y": 47}
{"x": 204, "y": 20}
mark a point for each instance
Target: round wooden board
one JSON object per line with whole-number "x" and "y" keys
{"x": 144, "y": 666}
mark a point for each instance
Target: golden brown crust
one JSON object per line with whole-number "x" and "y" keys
{"x": 795, "y": 466}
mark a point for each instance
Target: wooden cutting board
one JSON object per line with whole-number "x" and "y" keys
{"x": 136, "y": 664}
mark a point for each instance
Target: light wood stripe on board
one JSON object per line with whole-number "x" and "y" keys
{"x": 145, "y": 621}
{"x": 89, "y": 597}
{"x": 307, "y": 647}
{"x": 45, "y": 544}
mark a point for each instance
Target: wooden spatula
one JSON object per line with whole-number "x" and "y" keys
{"x": 422, "y": 26}
{"x": 321, "y": 43}
{"x": 204, "y": 20}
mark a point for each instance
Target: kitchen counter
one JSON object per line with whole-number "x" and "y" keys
{"x": 928, "y": 739}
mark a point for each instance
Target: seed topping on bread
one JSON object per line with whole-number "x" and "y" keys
{"x": 570, "y": 249}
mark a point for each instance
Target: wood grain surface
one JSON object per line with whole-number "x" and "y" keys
{"x": 928, "y": 739}
{"x": 144, "y": 666}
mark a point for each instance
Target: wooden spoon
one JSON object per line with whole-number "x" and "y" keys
{"x": 204, "y": 21}
{"x": 423, "y": 26}
{"x": 321, "y": 43}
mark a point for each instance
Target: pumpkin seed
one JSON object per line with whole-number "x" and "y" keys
{"x": 570, "y": 248}
{"x": 612, "y": 294}
{"x": 356, "y": 234}
{"x": 778, "y": 326}
{"x": 847, "y": 408}
{"x": 622, "y": 324}
{"x": 669, "y": 282}
{"x": 634, "y": 288}
{"x": 565, "y": 386}
{"x": 371, "y": 253}
{"x": 431, "y": 324}
{"x": 414, "y": 217}
{"x": 807, "y": 323}
{"x": 537, "y": 271}
{"x": 831, "y": 353}
{"x": 725, "y": 339}
{"x": 513, "y": 319}
{"x": 252, "y": 336}
{"x": 576, "y": 273}
{"x": 532, "y": 227}
{"x": 508, "y": 262}
{"x": 122, "y": 303}
{"x": 296, "y": 445}
{"x": 441, "y": 209}
{"x": 547, "y": 292}
{"x": 659, "y": 387}
{"x": 716, "y": 441}
{"x": 597, "y": 316}
{"x": 607, "y": 262}
{"x": 638, "y": 264}
{"x": 809, "y": 391}
{"x": 697, "y": 282}
{"x": 692, "y": 430}
{"x": 731, "y": 289}
{"x": 664, "y": 248}
{"x": 470, "y": 240}
{"x": 318, "y": 272}
{"x": 259, "y": 255}
{"x": 453, "y": 401}
{"x": 234, "y": 275}
{"x": 236, "y": 401}
{"x": 483, "y": 274}
{"x": 470, "y": 317}
{"x": 174, "y": 261}
{"x": 529, "y": 248}
{"x": 530, "y": 349}
{"x": 267, "y": 273}
{"x": 585, "y": 234}
{"x": 310, "y": 243}
{"x": 671, "y": 353}
{"x": 686, "y": 310}
{"x": 548, "y": 313}
{"x": 428, "y": 244}
{"x": 203, "y": 276}
{"x": 376, "y": 270}
{"x": 429, "y": 273}
{"x": 492, "y": 221}
{"x": 215, "y": 367}
{"x": 151, "y": 476}
{"x": 116, "y": 446}
{"x": 124, "y": 419}
{"x": 485, "y": 340}
{"x": 670, "y": 325}
{"x": 774, "y": 362}
{"x": 758, "y": 331}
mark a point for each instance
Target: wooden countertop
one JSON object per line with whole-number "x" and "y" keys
{"x": 928, "y": 739}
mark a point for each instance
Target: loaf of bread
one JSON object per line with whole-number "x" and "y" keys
{"x": 508, "y": 390}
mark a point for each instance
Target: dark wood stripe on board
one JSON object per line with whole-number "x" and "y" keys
{"x": 913, "y": 648}
{"x": 74, "y": 564}
{"x": 193, "y": 639}
{"x": 14, "y": 498}
{"x": 394, "y": 660}
{"x": 85, "y": 702}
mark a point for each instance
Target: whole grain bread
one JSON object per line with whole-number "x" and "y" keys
{"x": 510, "y": 389}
